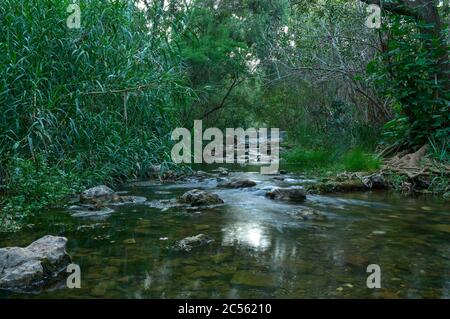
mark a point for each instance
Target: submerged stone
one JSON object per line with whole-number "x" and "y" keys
{"x": 164, "y": 203}
{"x": 91, "y": 227}
{"x": 92, "y": 212}
{"x": 306, "y": 213}
{"x": 124, "y": 200}
{"x": 188, "y": 243}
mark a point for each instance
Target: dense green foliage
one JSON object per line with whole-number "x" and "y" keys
{"x": 97, "y": 102}
{"x": 408, "y": 72}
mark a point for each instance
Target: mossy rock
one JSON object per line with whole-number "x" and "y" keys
{"x": 198, "y": 197}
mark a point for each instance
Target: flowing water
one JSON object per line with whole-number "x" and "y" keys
{"x": 259, "y": 251}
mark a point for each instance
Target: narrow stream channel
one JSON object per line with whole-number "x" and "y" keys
{"x": 259, "y": 251}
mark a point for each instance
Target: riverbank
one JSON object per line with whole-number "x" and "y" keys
{"x": 408, "y": 173}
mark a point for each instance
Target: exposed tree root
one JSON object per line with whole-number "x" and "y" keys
{"x": 415, "y": 164}
{"x": 407, "y": 172}
{"x": 415, "y": 170}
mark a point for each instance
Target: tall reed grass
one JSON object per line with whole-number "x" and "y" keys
{"x": 97, "y": 102}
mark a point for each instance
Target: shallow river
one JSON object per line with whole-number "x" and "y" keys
{"x": 259, "y": 249}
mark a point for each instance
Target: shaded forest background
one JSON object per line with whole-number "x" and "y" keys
{"x": 98, "y": 104}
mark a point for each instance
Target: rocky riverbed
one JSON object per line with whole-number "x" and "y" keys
{"x": 229, "y": 233}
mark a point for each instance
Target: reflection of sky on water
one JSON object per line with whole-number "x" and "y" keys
{"x": 252, "y": 235}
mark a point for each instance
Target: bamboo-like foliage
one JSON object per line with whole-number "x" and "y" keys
{"x": 103, "y": 94}
{"x": 92, "y": 104}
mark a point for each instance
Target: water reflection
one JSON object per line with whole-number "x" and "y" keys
{"x": 251, "y": 235}
{"x": 268, "y": 253}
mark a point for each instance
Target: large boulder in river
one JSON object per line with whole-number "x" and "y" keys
{"x": 291, "y": 194}
{"x": 98, "y": 197}
{"x": 97, "y": 192}
{"x": 237, "y": 183}
{"x": 34, "y": 266}
{"x": 197, "y": 197}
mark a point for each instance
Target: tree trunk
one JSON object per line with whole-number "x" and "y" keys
{"x": 424, "y": 11}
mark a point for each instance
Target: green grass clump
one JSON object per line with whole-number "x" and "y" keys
{"x": 356, "y": 160}
{"x": 320, "y": 161}
{"x": 33, "y": 185}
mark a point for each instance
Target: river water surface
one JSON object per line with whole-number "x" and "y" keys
{"x": 259, "y": 251}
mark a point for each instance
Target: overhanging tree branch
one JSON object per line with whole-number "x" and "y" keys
{"x": 222, "y": 103}
{"x": 425, "y": 10}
